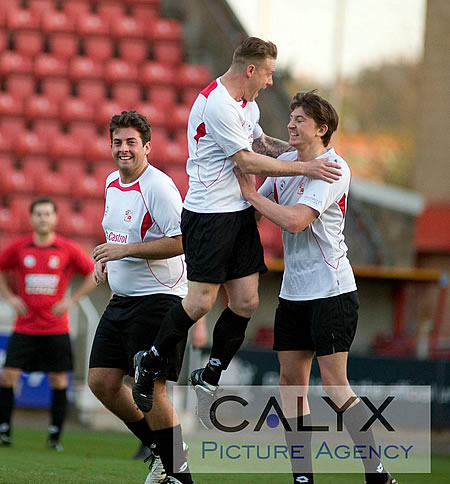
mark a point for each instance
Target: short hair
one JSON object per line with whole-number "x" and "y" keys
{"x": 131, "y": 119}
{"x": 41, "y": 201}
{"x": 319, "y": 109}
{"x": 253, "y": 49}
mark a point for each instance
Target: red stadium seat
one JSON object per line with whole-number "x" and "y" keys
{"x": 94, "y": 210}
{"x": 20, "y": 85}
{"x": 168, "y": 52}
{"x": 66, "y": 146}
{"x": 120, "y": 70}
{"x": 22, "y": 19}
{"x": 56, "y": 88}
{"x": 75, "y": 221}
{"x": 9, "y": 222}
{"x": 104, "y": 112}
{"x": 145, "y": 14}
{"x": 165, "y": 29}
{"x": 158, "y": 81}
{"x": 29, "y": 143}
{"x": 47, "y": 65}
{"x": 92, "y": 24}
{"x": 11, "y": 126}
{"x": 88, "y": 185}
{"x": 82, "y": 129}
{"x": 41, "y": 6}
{"x": 14, "y": 179}
{"x": 57, "y": 21}
{"x": 126, "y": 27}
{"x": 15, "y": 62}
{"x": 98, "y": 48}
{"x": 53, "y": 183}
{"x": 76, "y": 109}
{"x": 155, "y": 73}
{"x": 28, "y": 42}
{"x": 63, "y": 44}
{"x": 3, "y": 38}
{"x": 10, "y": 106}
{"x": 37, "y": 106}
{"x": 77, "y": 8}
{"x": 49, "y": 129}
{"x": 179, "y": 116}
{"x": 193, "y": 75}
{"x": 126, "y": 94}
{"x": 155, "y": 116}
{"x": 91, "y": 90}
{"x": 110, "y": 9}
{"x": 133, "y": 50}
{"x": 98, "y": 148}
{"x": 179, "y": 177}
{"x": 82, "y": 67}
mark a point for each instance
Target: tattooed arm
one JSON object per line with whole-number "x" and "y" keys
{"x": 265, "y": 145}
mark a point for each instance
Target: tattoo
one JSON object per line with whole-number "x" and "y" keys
{"x": 265, "y": 145}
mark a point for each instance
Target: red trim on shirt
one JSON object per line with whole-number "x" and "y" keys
{"x": 116, "y": 184}
{"x": 244, "y": 103}
{"x": 201, "y": 131}
{"x": 209, "y": 88}
{"x": 275, "y": 192}
{"x": 341, "y": 204}
{"x": 147, "y": 222}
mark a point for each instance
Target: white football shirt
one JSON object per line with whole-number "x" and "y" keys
{"x": 315, "y": 260}
{"x": 147, "y": 209}
{"x": 218, "y": 127}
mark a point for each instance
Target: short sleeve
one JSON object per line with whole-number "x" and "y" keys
{"x": 320, "y": 194}
{"x": 257, "y": 132}
{"x": 166, "y": 206}
{"x": 80, "y": 260}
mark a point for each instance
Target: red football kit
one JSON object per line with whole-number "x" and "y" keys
{"x": 43, "y": 274}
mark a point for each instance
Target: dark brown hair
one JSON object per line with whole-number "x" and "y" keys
{"x": 254, "y": 50}
{"x": 131, "y": 119}
{"x": 319, "y": 109}
{"x": 41, "y": 201}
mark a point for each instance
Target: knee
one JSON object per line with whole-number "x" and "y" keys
{"x": 199, "y": 306}
{"x": 292, "y": 379}
{"x": 8, "y": 377}
{"x": 103, "y": 389}
{"x": 245, "y": 306}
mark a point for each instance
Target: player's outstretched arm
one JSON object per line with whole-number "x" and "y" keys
{"x": 273, "y": 147}
{"x": 256, "y": 164}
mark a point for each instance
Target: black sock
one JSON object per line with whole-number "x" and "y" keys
{"x": 6, "y": 408}
{"x": 169, "y": 443}
{"x": 228, "y": 336}
{"x": 142, "y": 431}
{"x": 174, "y": 329}
{"x": 299, "y": 444}
{"x": 354, "y": 419}
{"x": 58, "y": 412}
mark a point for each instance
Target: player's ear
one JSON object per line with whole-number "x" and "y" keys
{"x": 250, "y": 70}
{"x": 323, "y": 128}
{"x": 148, "y": 147}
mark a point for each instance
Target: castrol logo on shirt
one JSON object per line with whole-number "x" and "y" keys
{"x": 116, "y": 237}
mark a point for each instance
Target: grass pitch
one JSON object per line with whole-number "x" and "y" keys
{"x": 106, "y": 457}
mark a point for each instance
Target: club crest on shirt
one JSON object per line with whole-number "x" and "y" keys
{"x": 53, "y": 261}
{"x": 29, "y": 261}
{"x": 301, "y": 188}
{"x": 282, "y": 184}
{"x": 128, "y": 215}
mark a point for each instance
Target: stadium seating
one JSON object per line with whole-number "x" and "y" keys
{"x": 67, "y": 66}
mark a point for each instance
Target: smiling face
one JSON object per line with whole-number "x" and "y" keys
{"x": 303, "y": 130}
{"x": 259, "y": 77}
{"x": 129, "y": 153}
